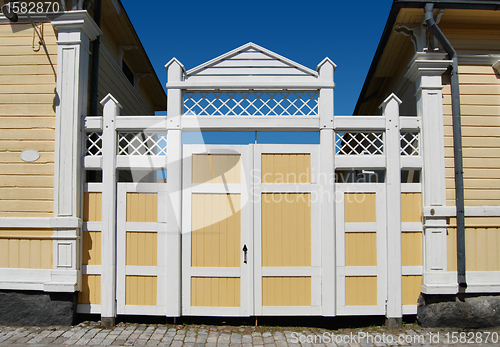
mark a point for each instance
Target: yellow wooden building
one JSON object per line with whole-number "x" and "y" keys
{"x": 47, "y": 87}
{"x": 442, "y": 59}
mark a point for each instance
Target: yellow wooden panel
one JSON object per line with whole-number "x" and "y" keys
{"x": 28, "y": 249}
{"x": 142, "y": 207}
{"x": 91, "y": 290}
{"x": 360, "y": 249}
{"x": 91, "y": 248}
{"x": 360, "y": 207}
{"x": 216, "y": 168}
{"x": 361, "y": 291}
{"x": 216, "y": 230}
{"x": 286, "y": 168}
{"x": 411, "y": 249}
{"x": 27, "y": 89}
{"x": 286, "y": 291}
{"x": 286, "y": 229}
{"x": 215, "y": 291}
{"x": 140, "y": 290}
{"x": 92, "y": 207}
{"x": 482, "y": 249}
{"x": 411, "y": 207}
{"x": 411, "y": 289}
{"x": 142, "y": 249}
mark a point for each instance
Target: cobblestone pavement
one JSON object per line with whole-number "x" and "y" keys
{"x": 127, "y": 334}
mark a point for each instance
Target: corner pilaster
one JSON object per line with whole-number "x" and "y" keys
{"x": 75, "y": 31}
{"x": 426, "y": 71}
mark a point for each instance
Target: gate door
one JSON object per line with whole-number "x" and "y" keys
{"x": 217, "y": 224}
{"x": 287, "y": 230}
{"x": 141, "y": 240}
{"x": 361, "y": 248}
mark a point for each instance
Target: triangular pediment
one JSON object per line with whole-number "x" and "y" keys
{"x": 251, "y": 60}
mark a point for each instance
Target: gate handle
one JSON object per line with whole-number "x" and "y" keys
{"x": 245, "y": 250}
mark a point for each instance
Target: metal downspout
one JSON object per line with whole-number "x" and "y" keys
{"x": 457, "y": 141}
{"x": 94, "y": 79}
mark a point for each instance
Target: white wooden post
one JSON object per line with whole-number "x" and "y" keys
{"x": 75, "y": 31}
{"x": 108, "y": 257}
{"x": 394, "y": 313}
{"x": 326, "y": 71}
{"x": 426, "y": 70}
{"x": 174, "y": 188}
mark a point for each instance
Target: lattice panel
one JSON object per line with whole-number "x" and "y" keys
{"x": 265, "y": 103}
{"x": 360, "y": 143}
{"x": 410, "y": 143}
{"x": 93, "y": 144}
{"x": 142, "y": 144}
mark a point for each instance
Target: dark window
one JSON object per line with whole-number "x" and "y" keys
{"x": 128, "y": 72}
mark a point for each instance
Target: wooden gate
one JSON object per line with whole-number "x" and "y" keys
{"x": 217, "y": 224}
{"x": 140, "y": 256}
{"x": 250, "y": 223}
{"x": 287, "y": 228}
{"x": 361, "y": 253}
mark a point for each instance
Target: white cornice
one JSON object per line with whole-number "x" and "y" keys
{"x": 427, "y": 64}
{"x": 77, "y": 20}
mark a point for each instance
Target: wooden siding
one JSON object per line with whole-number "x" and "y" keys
{"x": 286, "y": 291}
{"x": 216, "y": 168}
{"x": 480, "y": 109}
{"x": 286, "y": 229}
{"x": 482, "y": 244}
{"x": 411, "y": 249}
{"x": 286, "y": 168}
{"x": 360, "y": 207}
{"x": 27, "y": 121}
{"x": 92, "y": 207}
{"x": 411, "y": 289}
{"x": 140, "y": 290}
{"x": 215, "y": 291}
{"x": 91, "y": 248}
{"x": 360, "y": 249}
{"x": 91, "y": 290}
{"x": 361, "y": 291}
{"x": 142, "y": 249}
{"x": 26, "y": 249}
{"x": 216, "y": 230}
{"x": 411, "y": 208}
{"x": 142, "y": 207}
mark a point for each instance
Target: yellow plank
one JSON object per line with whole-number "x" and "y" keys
{"x": 286, "y": 229}
{"x": 28, "y": 249}
{"x": 216, "y": 230}
{"x": 411, "y": 249}
{"x": 215, "y": 291}
{"x": 92, "y": 207}
{"x": 140, "y": 290}
{"x": 411, "y": 207}
{"x": 360, "y": 249}
{"x": 216, "y": 168}
{"x": 360, "y": 207}
{"x": 142, "y": 207}
{"x": 91, "y": 290}
{"x": 411, "y": 289}
{"x": 142, "y": 249}
{"x": 286, "y": 291}
{"x": 361, "y": 291}
{"x": 286, "y": 168}
{"x": 91, "y": 248}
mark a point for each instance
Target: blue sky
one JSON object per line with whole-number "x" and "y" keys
{"x": 195, "y": 31}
